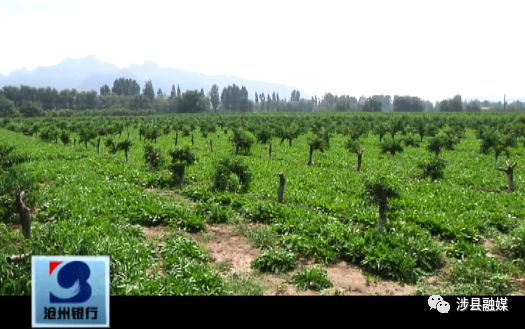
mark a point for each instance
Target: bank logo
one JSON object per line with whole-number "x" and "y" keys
{"x": 70, "y": 291}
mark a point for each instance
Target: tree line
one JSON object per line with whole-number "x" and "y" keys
{"x": 126, "y": 93}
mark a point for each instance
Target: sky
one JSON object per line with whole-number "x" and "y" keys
{"x": 434, "y": 49}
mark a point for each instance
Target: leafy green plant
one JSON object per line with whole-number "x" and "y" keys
{"x": 263, "y": 237}
{"x": 313, "y": 277}
{"x": 215, "y": 213}
{"x": 275, "y": 261}
{"x": 482, "y": 275}
{"x": 185, "y": 260}
{"x": 266, "y": 213}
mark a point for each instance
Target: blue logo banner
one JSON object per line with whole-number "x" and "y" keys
{"x": 70, "y": 291}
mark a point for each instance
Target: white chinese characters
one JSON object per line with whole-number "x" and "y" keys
{"x": 484, "y": 304}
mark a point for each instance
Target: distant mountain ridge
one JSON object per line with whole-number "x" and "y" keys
{"x": 89, "y": 73}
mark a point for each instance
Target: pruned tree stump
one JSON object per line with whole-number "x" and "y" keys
{"x": 509, "y": 170}
{"x": 25, "y": 214}
{"x": 282, "y": 185}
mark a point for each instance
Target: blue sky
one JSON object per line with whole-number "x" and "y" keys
{"x": 433, "y": 49}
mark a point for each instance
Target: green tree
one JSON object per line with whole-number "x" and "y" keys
{"x": 391, "y": 146}
{"x": 451, "y": 105}
{"x": 7, "y": 107}
{"x": 380, "y": 191}
{"x": 125, "y": 145}
{"x": 433, "y": 169}
{"x": 353, "y": 146}
{"x": 231, "y": 175}
{"x": 64, "y": 138}
{"x": 243, "y": 141}
{"x": 493, "y": 140}
{"x": 105, "y": 90}
{"x": 148, "y": 91}
{"x": 295, "y": 96}
{"x": 372, "y": 105}
{"x": 214, "y": 97}
{"x": 153, "y": 157}
{"x": 86, "y": 134}
{"x": 192, "y": 102}
{"x": 317, "y": 143}
{"x": 180, "y": 159}
{"x": 31, "y": 109}
{"x": 234, "y": 98}
{"x": 473, "y": 106}
{"x": 408, "y": 104}
{"x": 125, "y": 87}
{"x": 396, "y": 125}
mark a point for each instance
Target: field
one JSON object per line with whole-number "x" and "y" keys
{"x": 459, "y": 231}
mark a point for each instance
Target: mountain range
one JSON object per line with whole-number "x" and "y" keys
{"x": 89, "y": 73}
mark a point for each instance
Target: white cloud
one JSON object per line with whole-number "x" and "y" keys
{"x": 430, "y": 48}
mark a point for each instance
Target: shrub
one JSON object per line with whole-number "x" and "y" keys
{"x": 180, "y": 158}
{"x": 153, "y": 157}
{"x": 264, "y": 136}
{"x": 411, "y": 140}
{"x": 379, "y": 191}
{"x": 243, "y": 141}
{"x": 231, "y": 175}
{"x": 391, "y": 146}
{"x": 433, "y": 169}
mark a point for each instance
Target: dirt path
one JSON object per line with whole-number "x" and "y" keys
{"x": 155, "y": 235}
{"x": 352, "y": 281}
{"x": 173, "y": 195}
{"x": 492, "y": 250}
{"x": 233, "y": 254}
{"x": 230, "y": 248}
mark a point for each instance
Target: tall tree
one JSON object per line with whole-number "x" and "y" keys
{"x": 379, "y": 191}
{"x": 408, "y": 104}
{"x": 173, "y": 93}
{"x": 105, "y": 90}
{"x": 372, "y": 105}
{"x": 148, "y": 91}
{"x": 296, "y": 96}
{"x": 214, "y": 97}
{"x": 234, "y": 98}
{"x": 192, "y": 101}
{"x": 125, "y": 87}
{"x": 453, "y": 104}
